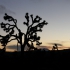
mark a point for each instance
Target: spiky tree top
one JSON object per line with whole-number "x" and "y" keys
{"x": 32, "y": 30}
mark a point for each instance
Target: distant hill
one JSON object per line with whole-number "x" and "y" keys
{"x": 40, "y": 58}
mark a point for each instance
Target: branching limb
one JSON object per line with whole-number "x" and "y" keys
{"x": 1, "y": 36}
{"x": 38, "y": 43}
{"x": 12, "y": 39}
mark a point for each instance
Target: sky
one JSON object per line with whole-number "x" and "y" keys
{"x": 55, "y": 12}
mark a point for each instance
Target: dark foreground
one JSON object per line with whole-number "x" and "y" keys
{"x": 37, "y": 59}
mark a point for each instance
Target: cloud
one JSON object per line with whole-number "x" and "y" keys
{"x": 38, "y": 1}
{"x": 59, "y": 44}
{"x": 13, "y": 47}
{"x": 59, "y": 41}
{"x": 4, "y": 10}
{"x": 44, "y": 47}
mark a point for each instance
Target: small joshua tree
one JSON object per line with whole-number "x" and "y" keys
{"x": 55, "y": 47}
{"x": 29, "y": 36}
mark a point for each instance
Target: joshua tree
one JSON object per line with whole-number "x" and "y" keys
{"x": 55, "y": 47}
{"x": 29, "y": 36}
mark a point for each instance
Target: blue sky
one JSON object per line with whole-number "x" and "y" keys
{"x": 55, "y": 12}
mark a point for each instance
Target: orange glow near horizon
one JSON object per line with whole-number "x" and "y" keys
{"x": 44, "y": 45}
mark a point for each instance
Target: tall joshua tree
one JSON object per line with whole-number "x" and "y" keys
{"x": 29, "y": 36}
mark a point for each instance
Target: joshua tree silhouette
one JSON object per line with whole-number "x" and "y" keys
{"x": 29, "y": 36}
{"x": 55, "y": 47}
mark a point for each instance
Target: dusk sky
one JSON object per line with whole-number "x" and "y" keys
{"x": 55, "y": 12}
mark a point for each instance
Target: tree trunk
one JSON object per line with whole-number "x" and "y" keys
{"x": 23, "y": 47}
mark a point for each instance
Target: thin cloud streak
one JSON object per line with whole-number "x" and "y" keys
{"x": 4, "y": 10}
{"x": 59, "y": 44}
{"x": 39, "y": 1}
{"x": 60, "y": 41}
{"x": 13, "y": 47}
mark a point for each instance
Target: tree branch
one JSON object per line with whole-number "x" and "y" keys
{"x": 12, "y": 39}
{"x": 9, "y": 24}
{"x": 1, "y": 36}
{"x": 32, "y": 21}
{"x": 32, "y": 41}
